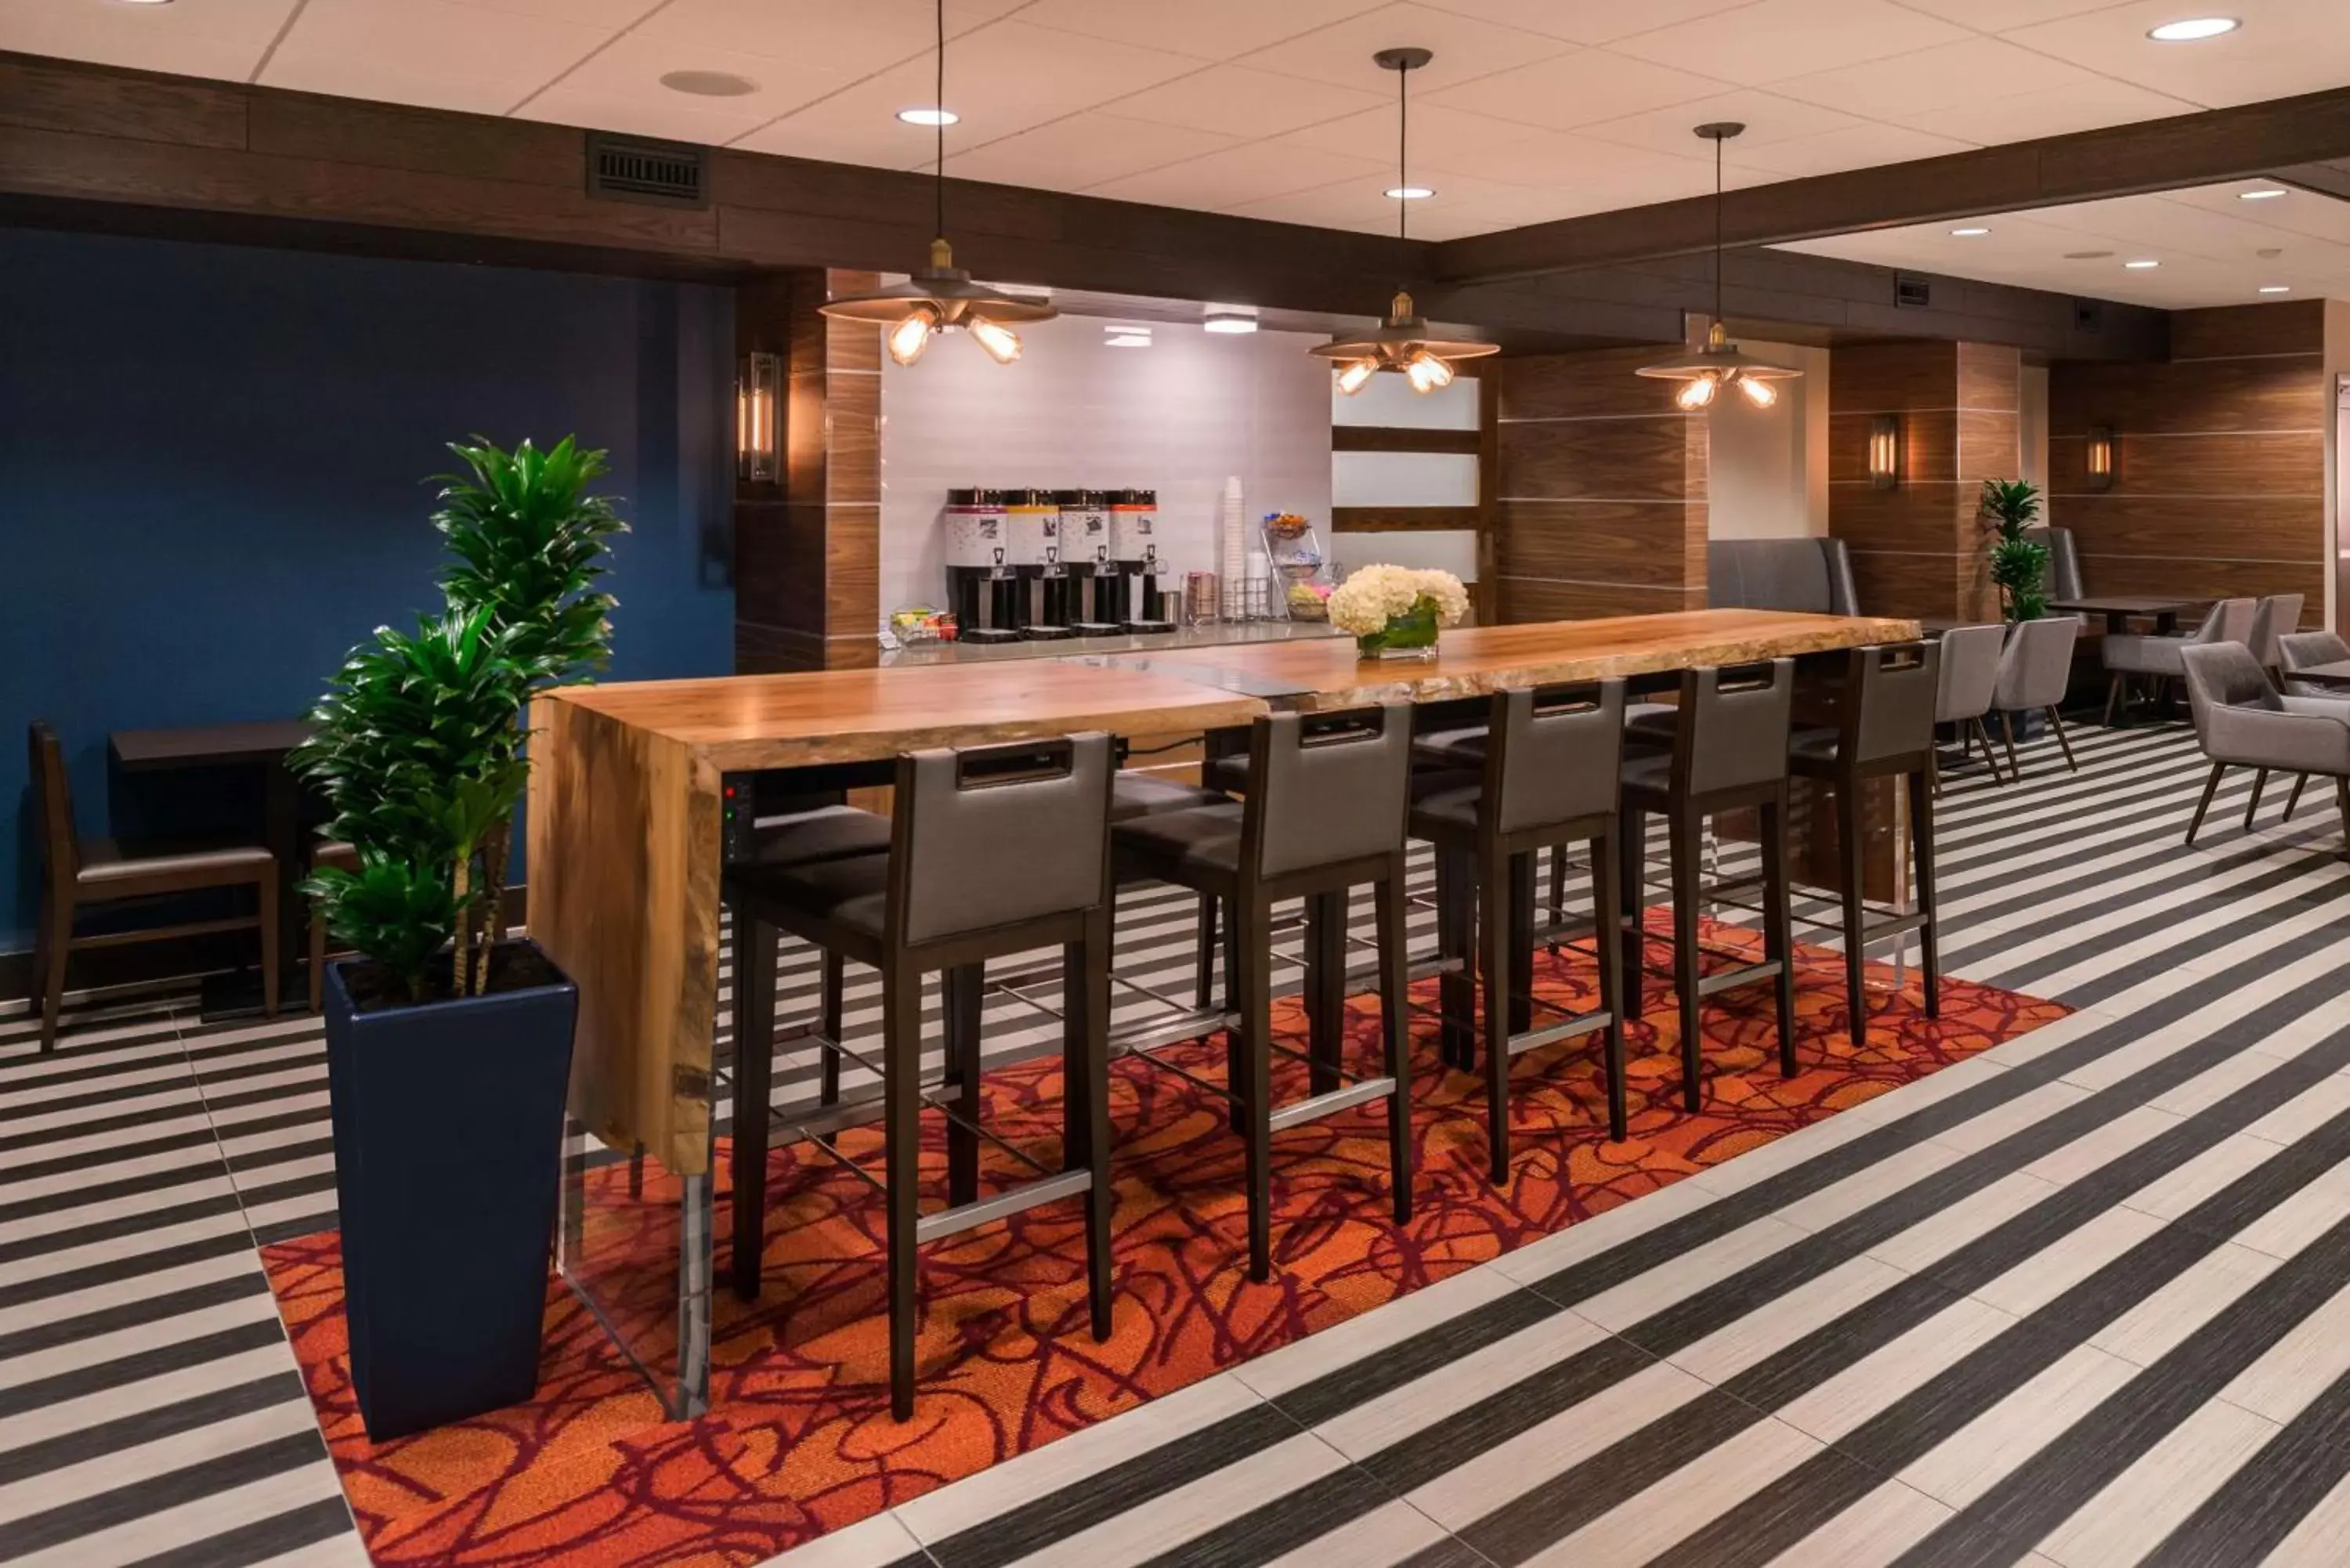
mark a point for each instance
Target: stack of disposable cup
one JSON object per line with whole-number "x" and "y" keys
{"x": 1234, "y": 552}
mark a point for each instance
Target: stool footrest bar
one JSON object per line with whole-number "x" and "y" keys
{"x": 1550, "y": 1033}
{"x": 1336, "y": 1100}
{"x": 1051, "y": 1188}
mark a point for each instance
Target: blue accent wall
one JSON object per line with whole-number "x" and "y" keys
{"x": 211, "y": 467}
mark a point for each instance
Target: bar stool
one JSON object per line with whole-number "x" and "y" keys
{"x": 1729, "y": 751}
{"x": 811, "y": 835}
{"x": 325, "y": 854}
{"x": 1551, "y": 766}
{"x": 1884, "y": 729}
{"x": 994, "y": 851}
{"x": 1323, "y": 814}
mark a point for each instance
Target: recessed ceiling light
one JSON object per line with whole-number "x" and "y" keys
{"x": 1409, "y": 193}
{"x": 929, "y": 116}
{"x": 2140, "y": 265}
{"x": 1968, "y": 234}
{"x": 1229, "y": 319}
{"x": 2192, "y": 29}
{"x": 2257, "y": 195}
{"x": 702, "y": 84}
{"x": 1119, "y": 335}
{"x": 2276, "y": 288}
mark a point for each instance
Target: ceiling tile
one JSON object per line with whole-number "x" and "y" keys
{"x": 1583, "y": 87}
{"x": 1464, "y": 48}
{"x": 1441, "y": 138}
{"x": 2297, "y": 214}
{"x": 1586, "y": 21}
{"x": 2084, "y": 105}
{"x": 2284, "y": 47}
{"x": 1999, "y": 16}
{"x": 1773, "y": 39}
{"x": 1768, "y": 118}
{"x": 1082, "y": 150}
{"x": 1002, "y": 78}
{"x": 620, "y": 89}
{"x": 1855, "y": 147}
{"x": 195, "y": 38}
{"x": 849, "y": 40}
{"x": 1251, "y": 173}
{"x": 610, "y": 15}
{"x": 1213, "y": 30}
{"x": 1360, "y": 204}
{"x": 427, "y": 52}
{"x": 1945, "y": 73}
{"x": 1245, "y": 103}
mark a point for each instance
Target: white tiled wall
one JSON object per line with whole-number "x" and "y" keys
{"x": 1177, "y": 418}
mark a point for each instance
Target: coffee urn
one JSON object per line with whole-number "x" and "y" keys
{"x": 1032, "y": 530}
{"x": 1094, "y": 577}
{"x": 1134, "y": 546}
{"x": 982, "y": 585}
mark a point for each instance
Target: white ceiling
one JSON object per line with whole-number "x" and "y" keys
{"x": 1534, "y": 109}
{"x": 2208, "y": 241}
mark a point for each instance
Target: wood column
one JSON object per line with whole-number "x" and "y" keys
{"x": 1920, "y": 548}
{"x": 807, "y": 549}
{"x": 1599, "y": 489}
{"x": 2219, "y": 481}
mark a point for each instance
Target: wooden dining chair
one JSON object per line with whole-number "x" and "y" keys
{"x": 79, "y": 872}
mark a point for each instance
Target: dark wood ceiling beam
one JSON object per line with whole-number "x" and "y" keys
{"x": 2169, "y": 154}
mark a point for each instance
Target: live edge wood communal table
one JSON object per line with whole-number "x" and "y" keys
{"x": 627, "y": 808}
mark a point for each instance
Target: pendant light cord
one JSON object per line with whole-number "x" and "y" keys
{"x": 939, "y": 113}
{"x": 1403, "y": 144}
{"x": 1717, "y": 230}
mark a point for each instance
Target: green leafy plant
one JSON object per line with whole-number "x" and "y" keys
{"x": 2019, "y": 566}
{"x": 420, "y": 739}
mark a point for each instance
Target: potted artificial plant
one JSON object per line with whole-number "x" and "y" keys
{"x": 449, "y": 1047}
{"x": 2019, "y": 566}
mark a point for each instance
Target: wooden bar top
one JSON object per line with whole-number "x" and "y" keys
{"x": 1474, "y": 661}
{"x": 757, "y": 721}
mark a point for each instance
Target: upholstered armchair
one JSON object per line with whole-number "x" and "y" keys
{"x": 2130, "y": 655}
{"x": 2243, "y": 722}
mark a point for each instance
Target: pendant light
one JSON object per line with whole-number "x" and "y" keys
{"x": 1719, "y": 364}
{"x": 1402, "y": 342}
{"x": 941, "y": 297}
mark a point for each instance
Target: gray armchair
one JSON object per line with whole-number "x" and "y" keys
{"x": 2062, "y": 577}
{"x": 2273, "y": 618}
{"x": 1970, "y": 680}
{"x": 1812, "y": 575}
{"x": 2034, "y": 671}
{"x": 2241, "y": 721}
{"x": 2129, "y": 656}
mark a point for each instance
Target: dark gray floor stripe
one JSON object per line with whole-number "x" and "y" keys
{"x": 68, "y": 1050}
{"x": 116, "y": 1153}
{"x": 262, "y": 1540}
{"x": 138, "y": 1366}
{"x": 2182, "y": 946}
{"x": 149, "y": 1426}
{"x": 2042, "y": 1493}
{"x": 96, "y": 1073}
{"x": 278, "y": 1230}
{"x": 153, "y": 1494}
{"x": 1251, "y": 1538}
{"x": 132, "y": 1313}
{"x": 135, "y": 1265}
{"x": 2271, "y": 1494}
{"x": 119, "y": 1226}
{"x": 2280, "y": 952}
{"x": 1808, "y": 1496}
{"x": 121, "y": 1187}
{"x": 95, "y": 1126}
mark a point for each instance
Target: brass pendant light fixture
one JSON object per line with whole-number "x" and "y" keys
{"x": 1402, "y": 342}
{"x": 1704, "y": 374}
{"x": 941, "y": 297}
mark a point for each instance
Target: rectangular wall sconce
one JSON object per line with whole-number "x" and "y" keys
{"x": 758, "y": 397}
{"x": 2098, "y": 457}
{"x": 1885, "y": 451}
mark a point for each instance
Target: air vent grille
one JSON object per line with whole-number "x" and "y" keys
{"x": 2088, "y": 316}
{"x": 1912, "y": 292}
{"x": 625, "y": 169}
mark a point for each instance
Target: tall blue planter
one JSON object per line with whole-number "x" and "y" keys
{"x": 448, "y": 1124}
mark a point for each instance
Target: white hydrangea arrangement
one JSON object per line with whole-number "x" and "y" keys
{"x": 1372, "y": 595}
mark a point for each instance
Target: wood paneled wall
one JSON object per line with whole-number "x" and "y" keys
{"x": 807, "y": 551}
{"x": 2219, "y": 484}
{"x": 1918, "y": 549}
{"x": 1599, "y": 489}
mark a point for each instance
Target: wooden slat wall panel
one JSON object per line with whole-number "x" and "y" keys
{"x": 1599, "y": 489}
{"x": 1917, "y": 548}
{"x": 2219, "y": 460}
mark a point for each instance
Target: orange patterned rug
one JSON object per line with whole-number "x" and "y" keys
{"x": 798, "y": 1440}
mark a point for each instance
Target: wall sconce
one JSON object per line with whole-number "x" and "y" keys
{"x": 758, "y": 391}
{"x": 1885, "y": 451}
{"x": 2098, "y": 457}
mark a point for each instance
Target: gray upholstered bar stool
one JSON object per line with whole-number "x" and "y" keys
{"x": 1322, "y": 814}
{"x": 994, "y": 851}
{"x": 1729, "y": 751}
{"x": 1884, "y": 729}
{"x": 802, "y": 831}
{"x": 1549, "y": 779}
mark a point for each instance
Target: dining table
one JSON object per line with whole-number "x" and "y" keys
{"x": 2120, "y": 609}
{"x": 261, "y": 744}
{"x": 633, "y": 796}
{"x": 2334, "y": 673}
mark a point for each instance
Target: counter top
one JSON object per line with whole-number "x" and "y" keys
{"x": 1219, "y": 635}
